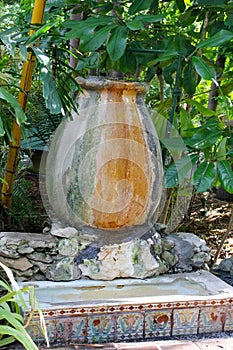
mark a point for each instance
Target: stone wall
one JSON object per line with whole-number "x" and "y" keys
{"x": 64, "y": 254}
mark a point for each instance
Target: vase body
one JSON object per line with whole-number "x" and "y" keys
{"x": 104, "y": 168}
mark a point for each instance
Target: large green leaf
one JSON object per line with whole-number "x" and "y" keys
{"x": 150, "y": 18}
{"x": 205, "y": 70}
{"x": 211, "y": 2}
{"x": 94, "y": 41}
{"x": 139, "y": 5}
{"x": 217, "y": 39}
{"x": 203, "y": 138}
{"x": 225, "y": 174}
{"x": 6, "y": 96}
{"x": 163, "y": 57}
{"x": 189, "y": 79}
{"x": 174, "y": 144}
{"x": 202, "y": 109}
{"x": 230, "y": 153}
{"x": 177, "y": 171}
{"x": 185, "y": 123}
{"x": 222, "y": 151}
{"x": 181, "y": 5}
{"x": 204, "y": 176}
{"x": 188, "y": 17}
{"x": 85, "y": 27}
{"x": 135, "y": 24}
{"x": 117, "y": 43}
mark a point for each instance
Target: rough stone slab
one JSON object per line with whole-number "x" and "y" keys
{"x": 21, "y": 264}
{"x": 8, "y": 253}
{"x": 38, "y": 256}
{"x": 25, "y": 249}
{"x": 36, "y": 240}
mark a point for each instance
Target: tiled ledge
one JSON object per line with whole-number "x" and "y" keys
{"x": 142, "y": 318}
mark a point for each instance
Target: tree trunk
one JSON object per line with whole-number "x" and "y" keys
{"x": 214, "y": 91}
{"x": 74, "y": 43}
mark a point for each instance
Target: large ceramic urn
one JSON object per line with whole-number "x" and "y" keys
{"x": 104, "y": 169}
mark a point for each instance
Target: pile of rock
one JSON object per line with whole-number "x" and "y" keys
{"x": 64, "y": 254}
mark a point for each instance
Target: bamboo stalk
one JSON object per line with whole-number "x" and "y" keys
{"x": 25, "y": 86}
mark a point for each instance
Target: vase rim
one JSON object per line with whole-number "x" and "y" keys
{"x": 99, "y": 83}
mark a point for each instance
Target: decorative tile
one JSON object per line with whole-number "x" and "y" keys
{"x": 212, "y": 319}
{"x": 51, "y": 329}
{"x": 158, "y": 323}
{"x": 34, "y": 330}
{"x": 101, "y": 328}
{"x": 185, "y": 321}
{"x": 129, "y": 325}
{"x": 229, "y": 319}
{"x": 71, "y": 329}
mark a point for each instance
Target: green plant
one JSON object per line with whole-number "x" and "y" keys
{"x": 12, "y": 326}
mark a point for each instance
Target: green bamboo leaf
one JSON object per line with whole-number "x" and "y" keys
{"x": 222, "y": 151}
{"x": 42, "y": 30}
{"x": 2, "y": 130}
{"x": 203, "y": 69}
{"x": 139, "y": 5}
{"x": 177, "y": 171}
{"x": 204, "y": 176}
{"x": 225, "y": 174}
{"x": 52, "y": 99}
{"x": 23, "y": 52}
{"x": 202, "y": 109}
{"x": 218, "y": 39}
{"x": 41, "y": 57}
{"x": 97, "y": 39}
{"x": 6, "y": 96}
{"x": 117, "y": 43}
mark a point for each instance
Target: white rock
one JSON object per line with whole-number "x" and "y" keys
{"x": 67, "y": 232}
{"x": 129, "y": 259}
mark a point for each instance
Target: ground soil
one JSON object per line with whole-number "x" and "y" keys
{"x": 209, "y": 220}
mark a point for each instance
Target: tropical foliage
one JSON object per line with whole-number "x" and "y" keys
{"x": 182, "y": 48}
{"x": 11, "y": 320}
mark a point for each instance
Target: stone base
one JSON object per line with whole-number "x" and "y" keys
{"x": 66, "y": 254}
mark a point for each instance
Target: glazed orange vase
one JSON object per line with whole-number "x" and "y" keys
{"x": 104, "y": 169}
